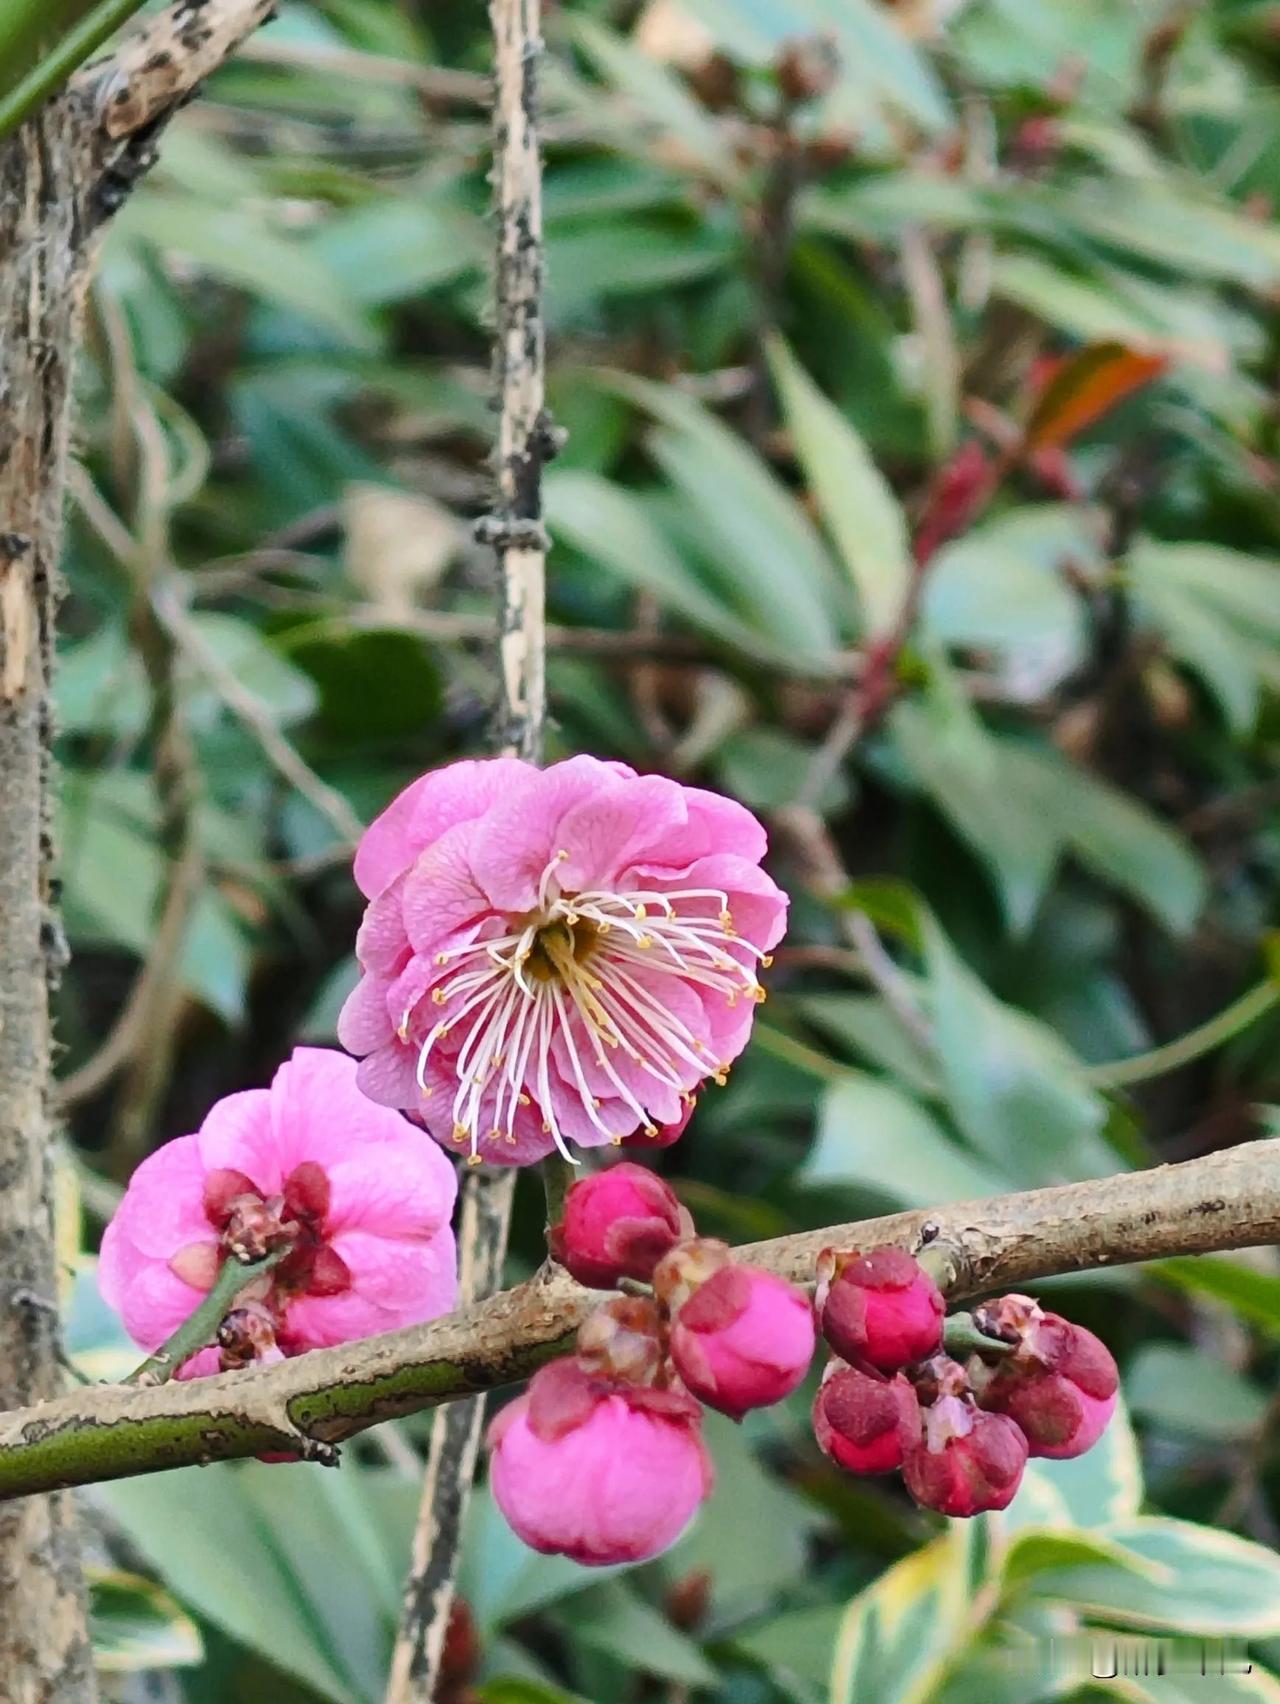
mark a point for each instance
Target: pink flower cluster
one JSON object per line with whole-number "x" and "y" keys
{"x": 890, "y": 1399}
{"x": 602, "y": 1459}
{"x": 359, "y": 1201}
{"x": 556, "y": 956}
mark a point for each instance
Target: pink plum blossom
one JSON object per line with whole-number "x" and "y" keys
{"x": 361, "y": 1199}
{"x": 555, "y": 956}
{"x": 596, "y": 1470}
{"x": 744, "y": 1339}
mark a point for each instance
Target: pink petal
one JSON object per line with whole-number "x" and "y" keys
{"x": 389, "y": 1076}
{"x": 319, "y": 1113}
{"x": 155, "y": 1303}
{"x": 364, "y": 1021}
{"x": 442, "y": 893}
{"x": 393, "y": 1284}
{"x": 522, "y": 831}
{"x": 381, "y": 941}
{"x": 404, "y": 1188}
{"x": 237, "y": 1135}
{"x": 424, "y": 811}
{"x": 163, "y": 1207}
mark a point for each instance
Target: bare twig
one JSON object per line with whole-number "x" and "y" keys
{"x": 525, "y": 440}
{"x": 1227, "y": 1200}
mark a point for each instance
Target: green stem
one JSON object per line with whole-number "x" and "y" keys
{"x": 200, "y": 1329}
{"x": 796, "y": 1053}
{"x": 557, "y": 1176}
{"x": 65, "y": 56}
{"x": 1119, "y": 1073}
{"x": 961, "y": 1337}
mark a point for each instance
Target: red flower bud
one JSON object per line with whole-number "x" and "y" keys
{"x": 744, "y": 1339}
{"x": 881, "y": 1308}
{"x": 865, "y": 1422}
{"x": 967, "y": 1460}
{"x": 1060, "y": 1384}
{"x": 618, "y": 1224}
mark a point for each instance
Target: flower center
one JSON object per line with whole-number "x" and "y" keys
{"x": 590, "y": 971}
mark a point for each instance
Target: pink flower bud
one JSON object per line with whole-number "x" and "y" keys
{"x": 967, "y": 1460}
{"x": 880, "y": 1307}
{"x": 744, "y": 1339}
{"x": 1060, "y": 1384}
{"x": 596, "y": 1471}
{"x": 864, "y": 1421}
{"x": 618, "y": 1224}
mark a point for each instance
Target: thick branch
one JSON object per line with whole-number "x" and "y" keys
{"x": 1226, "y": 1201}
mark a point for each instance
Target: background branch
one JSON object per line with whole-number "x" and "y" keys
{"x": 516, "y": 532}
{"x": 1228, "y": 1200}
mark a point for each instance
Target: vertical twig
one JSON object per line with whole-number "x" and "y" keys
{"x": 526, "y": 440}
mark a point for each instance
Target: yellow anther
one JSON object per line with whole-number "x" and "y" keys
{"x": 474, "y": 1160}
{"x": 437, "y": 996}
{"x": 524, "y": 1100}
{"x": 726, "y": 922}
{"x": 651, "y": 1129}
{"x": 442, "y": 958}
{"x": 767, "y": 960}
{"x": 615, "y": 1141}
{"x": 640, "y": 913}
{"x": 644, "y": 941}
{"x": 460, "y": 1132}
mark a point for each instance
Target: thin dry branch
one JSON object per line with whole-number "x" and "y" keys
{"x": 1229, "y": 1200}
{"x": 515, "y": 529}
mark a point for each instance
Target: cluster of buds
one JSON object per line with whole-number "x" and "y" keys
{"x": 602, "y": 1458}
{"x": 960, "y": 1433}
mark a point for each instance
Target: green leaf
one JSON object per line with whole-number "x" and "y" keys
{"x": 218, "y": 1554}
{"x": 867, "y": 1025}
{"x": 282, "y": 689}
{"x": 863, "y": 515}
{"x": 1201, "y": 1581}
{"x": 238, "y": 248}
{"x": 396, "y": 248}
{"x": 1167, "y": 1383}
{"x": 873, "y": 1135}
{"x": 751, "y": 524}
{"x": 1111, "y": 834}
{"x": 657, "y": 98}
{"x": 610, "y": 1618}
{"x": 899, "y": 1636}
{"x": 725, "y": 1539}
{"x": 502, "y": 1579}
{"x": 950, "y": 755}
{"x": 1097, "y": 1489}
{"x": 795, "y": 1647}
{"x": 1039, "y": 1550}
{"x": 1015, "y": 1089}
{"x": 611, "y": 526}
{"x": 135, "y": 1625}
{"x": 1254, "y": 1295}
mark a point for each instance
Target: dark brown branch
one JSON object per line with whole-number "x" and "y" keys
{"x": 1228, "y": 1200}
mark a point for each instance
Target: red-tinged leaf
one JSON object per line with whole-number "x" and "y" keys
{"x": 1084, "y": 387}
{"x": 959, "y": 492}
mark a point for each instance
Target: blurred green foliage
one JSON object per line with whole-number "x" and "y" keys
{"x": 812, "y": 265}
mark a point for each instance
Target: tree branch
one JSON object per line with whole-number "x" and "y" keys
{"x": 525, "y": 440}
{"x": 1228, "y": 1200}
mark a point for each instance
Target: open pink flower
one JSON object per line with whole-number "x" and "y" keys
{"x": 362, "y": 1201}
{"x": 555, "y": 956}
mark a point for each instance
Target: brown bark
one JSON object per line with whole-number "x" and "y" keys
{"x": 44, "y": 1648}
{"x": 61, "y": 173}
